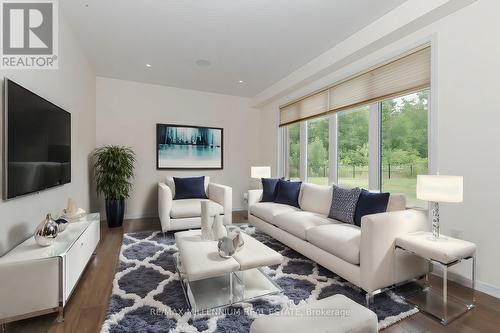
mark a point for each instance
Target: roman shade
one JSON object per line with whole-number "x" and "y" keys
{"x": 409, "y": 73}
{"x": 308, "y": 107}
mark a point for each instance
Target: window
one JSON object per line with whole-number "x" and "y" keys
{"x": 351, "y": 133}
{"x": 293, "y": 150}
{"x": 352, "y": 147}
{"x": 404, "y": 144}
{"x": 317, "y": 151}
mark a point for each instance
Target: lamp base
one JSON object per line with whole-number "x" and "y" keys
{"x": 435, "y": 219}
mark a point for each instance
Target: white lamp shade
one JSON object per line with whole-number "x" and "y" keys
{"x": 260, "y": 172}
{"x": 440, "y": 188}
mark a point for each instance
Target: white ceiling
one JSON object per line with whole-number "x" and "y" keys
{"x": 257, "y": 41}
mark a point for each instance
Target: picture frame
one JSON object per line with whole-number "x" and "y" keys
{"x": 181, "y": 147}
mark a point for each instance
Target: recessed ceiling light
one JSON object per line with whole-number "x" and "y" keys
{"x": 148, "y": 65}
{"x": 203, "y": 62}
{"x": 240, "y": 81}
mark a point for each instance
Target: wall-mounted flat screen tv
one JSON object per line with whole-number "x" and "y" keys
{"x": 37, "y": 142}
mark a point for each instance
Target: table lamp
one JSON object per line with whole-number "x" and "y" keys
{"x": 436, "y": 189}
{"x": 259, "y": 172}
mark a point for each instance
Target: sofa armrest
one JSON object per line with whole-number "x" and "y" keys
{"x": 223, "y": 195}
{"x": 164, "y": 205}
{"x": 253, "y": 197}
{"x": 381, "y": 265}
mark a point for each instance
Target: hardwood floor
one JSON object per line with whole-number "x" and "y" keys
{"x": 88, "y": 305}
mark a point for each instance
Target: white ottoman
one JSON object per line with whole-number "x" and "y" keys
{"x": 335, "y": 314}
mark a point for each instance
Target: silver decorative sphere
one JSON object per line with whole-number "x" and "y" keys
{"x": 226, "y": 248}
{"x": 46, "y": 231}
{"x": 229, "y": 244}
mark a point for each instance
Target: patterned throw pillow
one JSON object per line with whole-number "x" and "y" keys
{"x": 344, "y": 204}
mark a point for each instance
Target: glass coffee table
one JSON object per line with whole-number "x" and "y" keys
{"x": 211, "y": 282}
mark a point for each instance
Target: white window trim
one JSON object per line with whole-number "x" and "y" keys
{"x": 374, "y": 147}
{"x": 332, "y": 150}
{"x": 432, "y": 116}
{"x": 303, "y": 151}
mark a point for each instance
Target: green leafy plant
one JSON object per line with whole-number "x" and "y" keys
{"x": 113, "y": 169}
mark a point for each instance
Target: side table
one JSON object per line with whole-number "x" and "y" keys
{"x": 443, "y": 252}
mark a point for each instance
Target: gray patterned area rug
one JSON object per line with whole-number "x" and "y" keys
{"x": 148, "y": 297}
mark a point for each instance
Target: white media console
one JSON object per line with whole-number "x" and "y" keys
{"x": 37, "y": 280}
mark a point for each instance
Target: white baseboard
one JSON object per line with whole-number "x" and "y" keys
{"x": 467, "y": 282}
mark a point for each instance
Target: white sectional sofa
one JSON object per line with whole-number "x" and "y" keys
{"x": 186, "y": 213}
{"x": 364, "y": 255}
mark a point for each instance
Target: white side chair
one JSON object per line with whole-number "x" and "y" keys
{"x": 186, "y": 213}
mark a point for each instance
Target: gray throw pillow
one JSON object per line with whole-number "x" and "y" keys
{"x": 344, "y": 203}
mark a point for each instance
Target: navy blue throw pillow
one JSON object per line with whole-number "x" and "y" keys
{"x": 370, "y": 203}
{"x": 269, "y": 189}
{"x": 288, "y": 193}
{"x": 190, "y": 188}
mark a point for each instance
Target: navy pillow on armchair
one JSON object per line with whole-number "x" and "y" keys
{"x": 288, "y": 193}
{"x": 269, "y": 189}
{"x": 190, "y": 188}
{"x": 370, "y": 203}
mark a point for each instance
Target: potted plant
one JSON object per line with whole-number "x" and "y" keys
{"x": 113, "y": 169}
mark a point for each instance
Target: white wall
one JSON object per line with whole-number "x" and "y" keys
{"x": 127, "y": 114}
{"x": 71, "y": 87}
{"x": 466, "y": 99}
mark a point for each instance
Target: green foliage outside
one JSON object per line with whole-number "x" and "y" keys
{"x": 404, "y": 146}
{"x": 317, "y": 147}
{"x": 404, "y": 130}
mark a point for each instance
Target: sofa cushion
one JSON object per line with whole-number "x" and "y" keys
{"x": 268, "y": 210}
{"x": 297, "y": 223}
{"x": 288, "y": 193}
{"x": 170, "y": 183}
{"x": 339, "y": 239}
{"x": 184, "y": 208}
{"x": 190, "y": 188}
{"x": 344, "y": 202}
{"x": 269, "y": 189}
{"x": 316, "y": 198}
{"x": 370, "y": 203}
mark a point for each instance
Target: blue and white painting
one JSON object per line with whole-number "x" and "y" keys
{"x": 189, "y": 147}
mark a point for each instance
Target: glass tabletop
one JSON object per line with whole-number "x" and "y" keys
{"x": 221, "y": 291}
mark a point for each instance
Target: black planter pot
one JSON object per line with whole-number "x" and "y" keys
{"x": 114, "y": 212}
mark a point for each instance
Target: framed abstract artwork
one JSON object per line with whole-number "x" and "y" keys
{"x": 189, "y": 147}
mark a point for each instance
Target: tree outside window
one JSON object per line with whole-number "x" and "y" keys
{"x": 317, "y": 151}
{"x": 404, "y": 144}
{"x": 352, "y": 147}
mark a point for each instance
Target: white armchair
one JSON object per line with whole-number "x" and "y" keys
{"x": 186, "y": 213}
